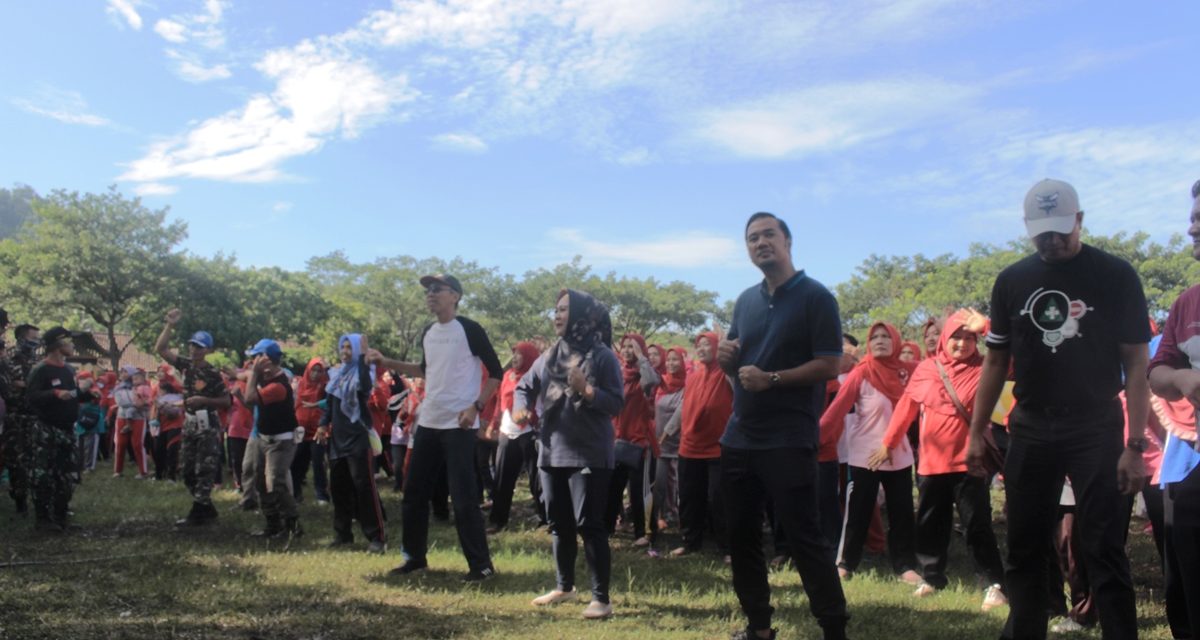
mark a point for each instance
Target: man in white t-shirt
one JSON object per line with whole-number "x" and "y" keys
{"x": 456, "y": 354}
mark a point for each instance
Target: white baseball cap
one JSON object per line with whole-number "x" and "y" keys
{"x": 1051, "y": 205}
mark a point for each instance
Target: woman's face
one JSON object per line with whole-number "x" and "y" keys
{"x": 704, "y": 350}
{"x": 347, "y": 351}
{"x": 139, "y": 379}
{"x": 517, "y": 359}
{"x": 655, "y": 357}
{"x": 907, "y": 354}
{"x": 962, "y": 344}
{"x": 932, "y": 333}
{"x": 674, "y": 363}
{"x": 562, "y": 315}
{"x": 629, "y": 350}
{"x": 315, "y": 373}
{"x": 880, "y": 343}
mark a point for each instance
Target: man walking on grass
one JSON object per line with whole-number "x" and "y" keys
{"x": 1070, "y": 319}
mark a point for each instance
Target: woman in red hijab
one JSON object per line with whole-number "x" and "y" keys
{"x": 310, "y": 390}
{"x": 873, "y": 388}
{"x": 707, "y": 404}
{"x": 945, "y": 420}
{"x": 667, "y": 400}
{"x": 517, "y": 446}
{"x": 634, "y": 431}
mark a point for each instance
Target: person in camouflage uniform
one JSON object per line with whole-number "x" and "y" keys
{"x": 204, "y": 394}
{"x": 19, "y": 419}
{"x": 51, "y": 393}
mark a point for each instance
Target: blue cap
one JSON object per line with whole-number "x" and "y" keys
{"x": 268, "y": 347}
{"x": 202, "y": 339}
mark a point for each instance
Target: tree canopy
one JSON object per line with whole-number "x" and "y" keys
{"x": 106, "y": 262}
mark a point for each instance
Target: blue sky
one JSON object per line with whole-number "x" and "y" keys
{"x": 637, "y": 134}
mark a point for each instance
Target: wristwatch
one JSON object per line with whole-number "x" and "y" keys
{"x": 1137, "y": 444}
{"x": 478, "y": 407}
{"x": 774, "y": 378}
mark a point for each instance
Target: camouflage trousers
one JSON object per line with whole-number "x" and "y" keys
{"x": 199, "y": 457}
{"x": 52, "y": 469}
{"x": 14, "y": 452}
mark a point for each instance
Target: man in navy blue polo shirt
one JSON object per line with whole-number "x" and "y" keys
{"x": 784, "y": 343}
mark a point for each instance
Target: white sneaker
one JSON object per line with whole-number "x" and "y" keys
{"x": 597, "y": 610}
{"x": 911, "y": 577}
{"x": 1066, "y": 625}
{"x": 553, "y": 597}
{"x": 993, "y": 597}
{"x": 924, "y": 590}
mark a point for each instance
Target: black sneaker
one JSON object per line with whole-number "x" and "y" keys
{"x": 377, "y": 546}
{"x": 410, "y": 566}
{"x": 480, "y": 575}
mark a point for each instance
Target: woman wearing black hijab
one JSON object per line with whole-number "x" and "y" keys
{"x": 577, "y": 382}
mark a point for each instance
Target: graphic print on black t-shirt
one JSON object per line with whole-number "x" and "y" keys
{"x": 1056, "y": 315}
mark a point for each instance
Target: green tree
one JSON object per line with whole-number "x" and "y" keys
{"x": 16, "y": 207}
{"x": 238, "y": 306}
{"x": 102, "y": 255}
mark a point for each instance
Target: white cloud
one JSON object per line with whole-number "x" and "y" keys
{"x": 830, "y": 117}
{"x": 321, "y": 93}
{"x": 65, "y": 106}
{"x": 635, "y": 157}
{"x": 680, "y": 250}
{"x": 189, "y": 68}
{"x": 155, "y": 189}
{"x": 1128, "y": 178}
{"x": 171, "y": 31}
{"x": 281, "y": 207}
{"x": 203, "y": 27}
{"x": 126, "y": 10}
{"x": 464, "y": 142}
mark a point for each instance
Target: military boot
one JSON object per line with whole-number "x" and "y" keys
{"x": 274, "y": 528}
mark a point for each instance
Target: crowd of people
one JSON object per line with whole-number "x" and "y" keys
{"x": 782, "y": 421}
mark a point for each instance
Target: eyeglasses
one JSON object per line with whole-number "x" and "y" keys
{"x": 436, "y": 289}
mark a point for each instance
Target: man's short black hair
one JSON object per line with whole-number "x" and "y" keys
{"x": 787, "y": 233}
{"x": 851, "y": 339}
{"x": 23, "y": 329}
{"x": 1196, "y": 189}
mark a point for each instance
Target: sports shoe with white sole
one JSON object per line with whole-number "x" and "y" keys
{"x": 993, "y": 597}
{"x": 597, "y": 610}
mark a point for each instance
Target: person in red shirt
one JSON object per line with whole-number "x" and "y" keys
{"x": 701, "y": 420}
{"x": 634, "y": 431}
{"x": 241, "y": 424}
{"x": 944, "y": 484}
{"x": 310, "y": 390}
{"x": 517, "y": 443}
{"x": 132, "y": 398}
{"x": 873, "y": 388}
{"x": 167, "y": 421}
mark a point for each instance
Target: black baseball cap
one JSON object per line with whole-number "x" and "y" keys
{"x": 442, "y": 278}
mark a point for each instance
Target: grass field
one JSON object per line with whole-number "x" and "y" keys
{"x": 146, "y": 580}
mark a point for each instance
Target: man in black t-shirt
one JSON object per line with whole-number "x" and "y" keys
{"x": 204, "y": 393}
{"x": 51, "y": 394}
{"x": 1071, "y": 320}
